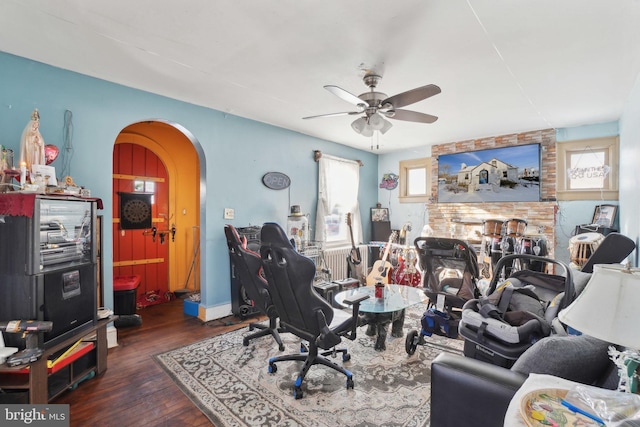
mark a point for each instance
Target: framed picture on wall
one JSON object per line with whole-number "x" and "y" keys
{"x": 605, "y": 215}
{"x": 379, "y": 214}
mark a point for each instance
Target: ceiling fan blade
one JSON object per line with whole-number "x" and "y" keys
{"x": 346, "y": 113}
{"x": 412, "y": 96}
{"x": 347, "y": 96}
{"x": 412, "y": 116}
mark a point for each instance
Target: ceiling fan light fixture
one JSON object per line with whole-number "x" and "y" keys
{"x": 386, "y": 126}
{"x": 375, "y": 107}
{"x": 359, "y": 125}
{"x": 376, "y": 121}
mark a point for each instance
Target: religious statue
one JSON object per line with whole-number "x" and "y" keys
{"x": 32, "y": 143}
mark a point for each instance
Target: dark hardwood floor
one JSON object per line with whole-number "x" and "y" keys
{"x": 134, "y": 391}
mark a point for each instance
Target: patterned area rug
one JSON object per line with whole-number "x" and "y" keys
{"x": 230, "y": 383}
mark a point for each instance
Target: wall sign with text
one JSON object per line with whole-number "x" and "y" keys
{"x": 276, "y": 180}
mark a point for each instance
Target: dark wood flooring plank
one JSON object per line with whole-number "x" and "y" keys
{"x": 135, "y": 391}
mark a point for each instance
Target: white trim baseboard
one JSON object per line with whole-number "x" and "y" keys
{"x": 216, "y": 312}
{"x": 112, "y": 336}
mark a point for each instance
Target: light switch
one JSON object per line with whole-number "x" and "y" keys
{"x": 229, "y": 213}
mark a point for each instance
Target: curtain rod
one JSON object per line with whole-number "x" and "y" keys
{"x": 317, "y": 154}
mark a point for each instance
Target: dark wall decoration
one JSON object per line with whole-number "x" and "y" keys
{"x": 135, "y": 211}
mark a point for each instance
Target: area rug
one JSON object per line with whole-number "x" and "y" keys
{"x": 231, "y": 385}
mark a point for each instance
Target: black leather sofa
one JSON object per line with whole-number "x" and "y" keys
{"x": 467, "y": 392}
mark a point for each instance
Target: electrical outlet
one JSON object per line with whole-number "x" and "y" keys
{"x": 229, "y": 213}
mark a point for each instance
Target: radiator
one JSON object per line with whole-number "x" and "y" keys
{"x": 335, "y": 259}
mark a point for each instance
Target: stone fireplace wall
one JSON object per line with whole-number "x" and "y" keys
{"x": 464, "y": 220}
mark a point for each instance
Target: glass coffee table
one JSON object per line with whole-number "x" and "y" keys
{"x": 379, "y": 312}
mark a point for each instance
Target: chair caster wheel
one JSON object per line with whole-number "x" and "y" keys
{"x": 411, "y": 343}
{"x": 346, "y": 357}
{"x": 297, "y": 393}
{"x": 350, "y": 383}
{"x": 273, "y": 368}
{"x": 245, "y": 342}
{"x": 243, "y": 312}
{"x": 281, "y": 347}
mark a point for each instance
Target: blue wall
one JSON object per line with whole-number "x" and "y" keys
{"x": 400, "y": 213}
{"x": 237, "y": 151}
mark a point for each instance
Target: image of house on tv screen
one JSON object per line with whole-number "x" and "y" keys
{"x": 510, "y": 174}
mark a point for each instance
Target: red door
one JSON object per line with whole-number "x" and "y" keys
{"x": 142, "y": 251}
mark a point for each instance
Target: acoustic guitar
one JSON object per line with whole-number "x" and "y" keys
{"x": 354, "y": 259}
{"x": 381, "y": 270}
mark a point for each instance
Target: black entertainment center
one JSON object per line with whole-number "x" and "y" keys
{"x": 48, "y": 264}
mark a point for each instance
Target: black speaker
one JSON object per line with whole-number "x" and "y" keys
{"x": 66, "y": 297}
{"x": 241, "y": 305}
{"x": 380, "y": 232}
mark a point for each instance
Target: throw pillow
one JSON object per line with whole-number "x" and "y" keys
{"x": 577, "y": 358}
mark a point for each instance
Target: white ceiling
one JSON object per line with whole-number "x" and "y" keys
{"x": 504, "y": 66}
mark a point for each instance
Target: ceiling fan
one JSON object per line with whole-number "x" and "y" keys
{"x": 375, "y": 106}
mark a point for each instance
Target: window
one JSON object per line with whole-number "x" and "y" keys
{"x": 338, "y": 186}
{"x": 588, "y": 169}
{"x": 415, "y": 180}
{"x": 145, "y": 187}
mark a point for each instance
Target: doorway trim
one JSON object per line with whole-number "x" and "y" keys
{"x": 134, "y": 133}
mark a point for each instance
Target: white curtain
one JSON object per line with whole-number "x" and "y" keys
{"x": 338, "y": 185}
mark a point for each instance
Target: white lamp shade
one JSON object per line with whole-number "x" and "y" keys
{"x": 609, "y": 306}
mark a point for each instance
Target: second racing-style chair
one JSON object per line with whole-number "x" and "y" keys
{"x": 303, "y": 312}
{"x": 614, "y": 249}
{"x": 247, "y": 265}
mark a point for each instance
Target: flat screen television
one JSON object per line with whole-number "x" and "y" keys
{"x": 509, "y": 174}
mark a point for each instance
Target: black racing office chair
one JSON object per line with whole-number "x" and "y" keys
{"x": 303, "y": 312}
{"x": 248, "y": 265}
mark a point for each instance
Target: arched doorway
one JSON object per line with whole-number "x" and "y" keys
{"x": 158, "y": 159}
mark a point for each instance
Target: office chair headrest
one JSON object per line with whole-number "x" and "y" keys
{"x": 234, "y": 239}
{"x": 274, "y": 235}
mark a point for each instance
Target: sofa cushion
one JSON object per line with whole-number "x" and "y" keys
{"x": 580, "y": 280}
{"x": 577, "y": 358}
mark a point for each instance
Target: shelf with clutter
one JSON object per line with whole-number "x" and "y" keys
{"x": 59, "y": 368}
{"x": 34, "y": 172}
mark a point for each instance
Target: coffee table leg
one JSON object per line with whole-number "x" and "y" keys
{"x": 368, "y": 319}
{"x": 378, "y": 324}
{"x": 397, "y": 323}
{"x": 382, "y": 335}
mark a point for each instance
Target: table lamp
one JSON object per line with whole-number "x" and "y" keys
{"x": 609, "y": 309}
